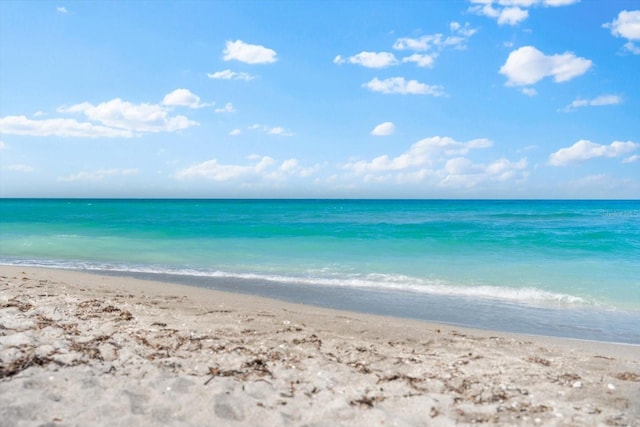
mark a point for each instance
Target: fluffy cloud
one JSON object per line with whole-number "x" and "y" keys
{"x": 527, "y": 66}
{"x": 427, "y": 48}
{"x": 398, "y": 85}
{"x": 230, "y": 75}
{"x": 62, "y": 9}
{"x": 248, "y": 53}
{"x": 263, "y": 167}
{"x": 99, "y": 175}
{"x": 627, "y": 25}
{"x": 440, "y": 161}
{"x": 512, "y": 15}
{"x": 585, "y": 150}
{"x": 512, "y": 12}
{"x": 235, "y": 132}
{"x": 458, "y": 38}
{"x": 462, "y": 172}
{"x": 21, "y": 125}
{"x": 111, "y": 119}
{"x": 125, "y": 115}
{"x": 183, "y": 98}
{"x": 431, "y": 45}
{"x": 425, "y": 152}
{"x": 384, "y": 129}
{"x": 369, "y": 59}
{"x": 595, "y": 102}
{"x": 507, "y": 15}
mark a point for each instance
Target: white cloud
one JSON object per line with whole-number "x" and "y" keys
{"x": 215, "y": 171}
{"x": 595, "y": 102}
{"x": 429, "y": 47}
{"x": 125, "y": 115}
{"x": 440, "y": 162}
{"x": 423, "y": 43}
{"x": 230, "y": 75}
{"x": 228, "y": 108}
{"x": 99, "y": 175}
{"x": 631, "y": 159}
{"x": 527, "y": 66}
{"x": 248, "y": 53}
{"x": 425, "y": 152}
{"x": 369, "y": 59}
{"x": 464, "y": 30}
{"x": 432, "y": 45}
{"x": 438, "y": 41}
{"x": 261, "y": 168}
{"x": 529, "y": 91}
{"x": 235, "y": 132}
{"x": 627, "y": 25}
{"x": 111, "y": 119}
{"x": 559, "y": 2}
{"x": 505, "y": 15}
{"x": 384, "y": 129}
{"x": 631, "y": 47}
{"x": 512, "y": 12}
{"x": 183, "y": 98}
{"x": 585, "y": 150}
{"x": 62, "y": 9}
{"x": 512, "y": 16}
{"x": 398, "y": 85}
{"x": 291, "y": 167}
{"x": 279, "y": 131}
{"x": 20, "y": 168}
{"x": 21, "y": 125}
{"x": 421, "y": 60}
{"x": 462, "y": 172}
{"x": 271, "y": 130}
{"x": 3, "y": 145}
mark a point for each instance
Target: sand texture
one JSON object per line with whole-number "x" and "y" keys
{"x": 79, "y": 350}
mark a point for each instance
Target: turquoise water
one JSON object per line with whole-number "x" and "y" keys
{"x": 546, "y": 265}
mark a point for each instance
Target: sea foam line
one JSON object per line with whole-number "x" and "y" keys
{"x": 373, "y": 281}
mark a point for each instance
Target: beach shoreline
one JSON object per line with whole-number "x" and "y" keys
{"x": 149, "y": 352}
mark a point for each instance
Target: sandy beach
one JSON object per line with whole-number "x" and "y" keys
{"x": 79, "y": 349}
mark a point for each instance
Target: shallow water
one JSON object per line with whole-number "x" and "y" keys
{"x": 567, "y": 268}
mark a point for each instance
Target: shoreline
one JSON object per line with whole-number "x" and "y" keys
{"x": 151, "y": 345}
{"x": 592, "y": 324}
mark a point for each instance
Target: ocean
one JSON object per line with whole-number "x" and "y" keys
{"x": 557, "y": 268}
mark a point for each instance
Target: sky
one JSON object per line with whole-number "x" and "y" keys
{"x": 320, "y": 99}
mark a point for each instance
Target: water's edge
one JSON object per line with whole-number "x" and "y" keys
{"x": 575, "y": 323}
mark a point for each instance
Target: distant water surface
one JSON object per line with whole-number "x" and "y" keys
{"x": 568, "y": 268}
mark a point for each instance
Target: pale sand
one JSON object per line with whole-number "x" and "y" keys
{"x": 80, "y": 349}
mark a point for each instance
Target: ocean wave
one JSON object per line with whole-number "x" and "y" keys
{"x": 324, "y": 277}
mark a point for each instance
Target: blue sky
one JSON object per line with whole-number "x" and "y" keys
{"x": 417, "y": 99}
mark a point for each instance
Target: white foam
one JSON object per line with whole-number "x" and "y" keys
{"x": 377, "y": 281}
